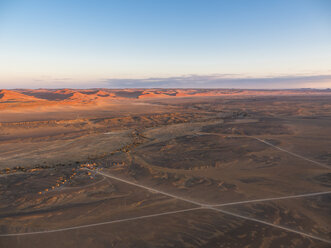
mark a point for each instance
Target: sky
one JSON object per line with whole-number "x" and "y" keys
{"x": 172, "y": 43}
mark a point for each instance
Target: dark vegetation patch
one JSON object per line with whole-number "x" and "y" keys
{"x": 252, "y": 180}
{"x": 256, "y": 128}
{"x": 266, "y": 161}
{"x": 324, "y": 179}
{"x": 273, "y": 142}
{"x": 325, "y": 157}
{"x": 188, "y": 152}
{"x": 176, "y": 179}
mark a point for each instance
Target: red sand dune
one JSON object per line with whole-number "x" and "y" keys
{"x": 46, "y": 97}
{"x": 13, "y": 96}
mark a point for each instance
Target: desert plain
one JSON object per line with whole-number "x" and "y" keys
{"x": 165, "y": 168}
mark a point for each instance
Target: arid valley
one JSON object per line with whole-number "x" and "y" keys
{"x": 165, "y": 168}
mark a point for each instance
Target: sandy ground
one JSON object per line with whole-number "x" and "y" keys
{"x": 206, "y": 150}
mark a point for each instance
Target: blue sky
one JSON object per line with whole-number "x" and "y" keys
{"x": 80, "y": 44}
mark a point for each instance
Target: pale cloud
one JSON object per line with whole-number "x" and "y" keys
{"x": 225, "y": 81}
{"x": 186, "y": 81}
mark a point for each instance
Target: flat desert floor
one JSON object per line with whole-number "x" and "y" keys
{"x": 204, "y": 171}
